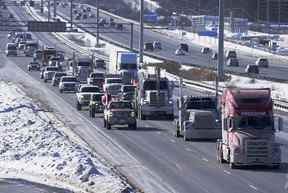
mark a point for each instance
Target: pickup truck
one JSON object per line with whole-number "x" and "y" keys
{"x": 84, "y": 94}
{"x": 119, "y": 113}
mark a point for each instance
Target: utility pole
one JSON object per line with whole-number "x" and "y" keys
{"x": 220, "y": 70}
{"x": 258, "y": 11}
{"x": 55, "y": 9}
{"x": 279, "y": 12}
{"x": 131, "y": 36}
{"x": 42, "y": 6}
{"x": 71, "y": 14}
{"x": 97, "y": 22}
{"x": 141, "y": 42}
{"x": 49, "y": 10}
{"x": 268, "y": 15}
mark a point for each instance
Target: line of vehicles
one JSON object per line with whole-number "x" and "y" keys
{"x": 243, "y": 121}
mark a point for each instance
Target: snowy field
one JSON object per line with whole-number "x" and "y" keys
{"x": 36, "y": 146}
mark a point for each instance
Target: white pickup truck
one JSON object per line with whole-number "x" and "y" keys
{"x": 84, "y": 94}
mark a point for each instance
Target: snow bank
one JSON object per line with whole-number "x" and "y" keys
{"x": 37, "y": 146}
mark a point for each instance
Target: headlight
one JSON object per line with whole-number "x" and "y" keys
{"x": 145, "y": 102}
{"x": 170, "y": 102}
{"x": 132, "y": 114}
{"x": 81, "y": 97}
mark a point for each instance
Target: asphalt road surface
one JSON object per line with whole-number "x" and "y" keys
{"x": 182, "y": 166}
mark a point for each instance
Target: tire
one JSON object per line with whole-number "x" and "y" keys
{"x": 108, "y": 126}
{"x": 232, "y": 165}
{"x": 104, "y": 123}
{"x": 170, "y": 117}
{"x": 78, "y": 106}
{"x": 45, "y": 80}
{"x": 29, "y": 69}
{"x": 60, "y": 90}
{"x": 178, "y": 133}
{"x": 132, "y": 126}
{"x": 92, "y": 112}
{"x": 219, "y": 153}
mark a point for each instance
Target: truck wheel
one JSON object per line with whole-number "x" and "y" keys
{"x": 219, "y": 153}
{"x": 92, "y": 112}
{"x": 60, "y": 90}
{"x": 78, "y": 106}
{"x": 232, "y": 165}
{"x": 45, "y": 80}
{"x": 171, "y": 117}
{"x": 132, "y": 126}
{"x": 104, "y": 123}
{"x": 178, "y": 132}
{"x": 108, "y": 126}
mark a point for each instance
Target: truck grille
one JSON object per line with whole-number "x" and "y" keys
{"x": 153, "y": 98}
{"x": 257, "y": 150}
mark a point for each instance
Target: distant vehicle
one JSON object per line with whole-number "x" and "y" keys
{"x": 126, "y": 66}
{"x": 184, "y": 47}
{"x": 232, "y": 62}
{"x": 84, "y": 16}
{"x": 68, "y": 83}
{"x": 128, "y": 92}
{"x": 83, "y": 68}
{"x": 179, "y": 52}
{"x": 123, "y": 114}
{"x": 215, "y": 56}
{"x": 95, "y": 104}
{"x": 56, "y": 78}
{"x": 119, "y": 26}
{"x": 96, "y": 78}
{"x": 231, "y": 54}
{"x": 11, "y": 49}
{"x": 262, "y": 63}
{"x": 88, "y": 9}
{"x": 84, "y": 94}
{"x": 30, "y": 48}
{"x": 48, "y": 73}
{"x": 205, "y": 50}
{"x": 148, "y": 46}
{"x": 109, "y": 81}
{"x": 99, "y": 63}
{"x": 253, "y": 69}
{"x": 33, "y": 66}
{"x": 78, "y": 17}
{"x": 157, "y": 45}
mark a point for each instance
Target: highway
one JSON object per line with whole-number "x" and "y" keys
{"x": 177, "y": 165}
{"x": 278, "y": 68}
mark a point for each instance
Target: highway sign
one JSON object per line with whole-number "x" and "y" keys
{"x": 45, "y": 26}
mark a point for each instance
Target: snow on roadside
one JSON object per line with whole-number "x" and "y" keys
{"x": 34, "y": 144}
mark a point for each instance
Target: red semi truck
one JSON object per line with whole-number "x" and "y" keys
{"x": 248, "y": 131}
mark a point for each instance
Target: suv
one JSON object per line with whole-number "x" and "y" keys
{"x": 232, "y": 62}
{"x": 231, "y": 54}
{"x": 56, "y": 78}
{"x": 148, "y": 47}
{"x": 33, "y": 66}
{"x": 84, "y": 94}
{"x": 253, "y": 69}
{"x": 96, "y": 78}
{"x": 68, "y": 83}
{"x": 262, "y": 62}
{"x": 95, "y": 104}
{"x": 119, "y": 113}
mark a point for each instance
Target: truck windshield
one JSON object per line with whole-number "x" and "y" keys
{"x": 128, "y": 66}
{"x": 255, "y": 122}
{"x": 152, "y": 85}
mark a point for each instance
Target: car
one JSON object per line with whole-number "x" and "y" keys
{"x": 111, "y": 81}
{"x": 56, "y": 78}
{"x": 68, "y": 84}
{"x": 96, "y": 78}
{"x": 11, "y": 49}
{"x": 83, "y": 95}
{"x": 128, "y": 92}
{"x": 184, "y": 47}
{"x": 214, "y": 56}
{"x": 252, "y": 69}
{"x": 179, "y": 52}
{"x": 148, "y": 46}
{"x": 231, "y": 54}
{"x": 95, "y": 105}
{"x": 48, "y": 72}
{"x": 205, "y": 50}
{"x": 232, "y": 62}
{"x": 157, "y": 45}
{"x": 262, "y": 63}
{"x": 99, "y": 63}
{"x": 119, "y": 113}
{"x": 33, "y": 66}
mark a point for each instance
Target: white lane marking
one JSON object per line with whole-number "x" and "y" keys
{"x": 188, "y": 149}
{"x": 172, "y": 140}
{"x": 158, "y": 132}
{"x": 253, "y": 187}
{"x": 227, "y": 172}
{"x": 205, "y": 159}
